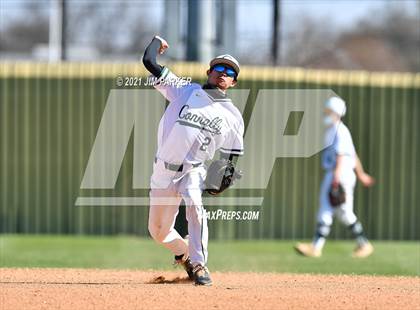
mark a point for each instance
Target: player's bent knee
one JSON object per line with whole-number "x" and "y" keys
{"x": 153, "y": 231}
{"x": 323, "y": 230}
{"x": 156, "y": 232}
{"x": 356, "y": 228}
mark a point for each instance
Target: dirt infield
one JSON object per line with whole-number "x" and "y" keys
{"x": 127, "y": 289}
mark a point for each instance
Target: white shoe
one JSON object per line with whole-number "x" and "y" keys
{"x": 362, "y": 251}
{"x": 307, "y": 249}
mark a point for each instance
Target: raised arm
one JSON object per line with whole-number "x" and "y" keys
{"x": 157, "y": 46}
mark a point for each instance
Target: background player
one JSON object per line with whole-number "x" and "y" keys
{"x": 198, "y": 121}
{"x": 339, "y": 161}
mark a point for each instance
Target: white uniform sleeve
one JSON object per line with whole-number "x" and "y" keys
{"x": 344, "y": 143}
{"x": 170, "y": 85}
{"x": 234, "y": 142}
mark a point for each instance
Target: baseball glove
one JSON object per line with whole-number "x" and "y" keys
{"x": 220, "y": 175}
{"x": 337, "y": 195}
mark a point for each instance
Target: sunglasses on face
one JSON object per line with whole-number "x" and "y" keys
{"x": 229, "y": 71}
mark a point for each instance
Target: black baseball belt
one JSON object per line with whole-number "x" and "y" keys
{"x": 177, "y": 168}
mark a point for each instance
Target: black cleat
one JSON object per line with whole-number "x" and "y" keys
{"x": 186, "y": 264}
{"x": 202, "y": 276}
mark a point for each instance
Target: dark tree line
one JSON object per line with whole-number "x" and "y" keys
{"x": 385, "y": 39}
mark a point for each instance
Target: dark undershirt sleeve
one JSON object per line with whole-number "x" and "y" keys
{"x": 149, "y": 58}
{"x": 231, "y": 157}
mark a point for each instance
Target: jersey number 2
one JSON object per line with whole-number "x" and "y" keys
{"x": 206, "y": 142}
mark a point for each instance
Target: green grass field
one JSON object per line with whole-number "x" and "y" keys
{"x": 122, "y": 252}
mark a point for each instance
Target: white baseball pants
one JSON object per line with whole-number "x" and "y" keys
{"x": 344, "y": 212}
{"x": 168, "y": 188}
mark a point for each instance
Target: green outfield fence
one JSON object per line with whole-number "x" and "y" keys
{"x": 50, "y": 115}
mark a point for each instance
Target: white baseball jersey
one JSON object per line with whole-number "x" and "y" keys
{"x": 342, "y": 145}
{"x": 196, "y": 124}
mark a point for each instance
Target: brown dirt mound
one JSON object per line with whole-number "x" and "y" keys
{"x": 130, "y": 289}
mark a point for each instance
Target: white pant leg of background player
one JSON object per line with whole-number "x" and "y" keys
{"x": 325, "y": 212}
{"x": 345, "y": 213}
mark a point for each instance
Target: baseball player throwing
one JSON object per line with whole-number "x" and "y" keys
{"x": 339, "y": 161}
{"x": 198, "y": 121}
